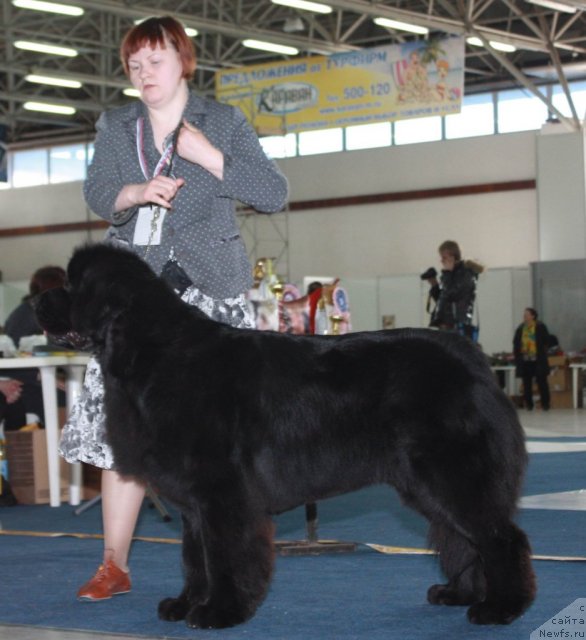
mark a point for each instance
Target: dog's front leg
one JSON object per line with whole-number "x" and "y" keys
{"x": 239, "y": 556}
{"x": 196, "y": 579}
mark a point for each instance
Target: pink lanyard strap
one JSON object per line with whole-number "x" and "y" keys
{"x": 165, "y": 159}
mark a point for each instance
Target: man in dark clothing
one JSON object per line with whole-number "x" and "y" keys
{"x": 455, "y": 293}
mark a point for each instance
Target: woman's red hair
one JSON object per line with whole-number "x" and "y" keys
{"x": 158, "y": 31}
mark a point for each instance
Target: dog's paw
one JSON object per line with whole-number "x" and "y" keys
{"x": 212, "y": 617}
{"x": 173, "y": 609}
{"x": 492, "y": 613}
{"x": 446, "y": 595}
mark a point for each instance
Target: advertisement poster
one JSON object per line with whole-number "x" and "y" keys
{"x": 410, "y": 80}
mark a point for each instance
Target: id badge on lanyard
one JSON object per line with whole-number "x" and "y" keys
{"x": 149, "y": 223}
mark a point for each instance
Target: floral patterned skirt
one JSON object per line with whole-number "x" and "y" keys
{"x": 84, "y": 434}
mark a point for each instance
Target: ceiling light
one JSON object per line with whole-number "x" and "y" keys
{"x": 293, "y": 24}
{"x": 49, "y": 108}
{"x": 556, "y": 6}
{"x": 316, "y": 7}
{"x": 45, "y": 48}
{"x": 401, "y": 26}
{"x": 498, "y": 46}
{"x": 55, "y": 82}
{"x": 51, "y": 7}
{"x": 269, "y": 46}
{"x": 131, "y": 92}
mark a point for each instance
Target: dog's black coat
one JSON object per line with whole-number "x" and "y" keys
{"x": 234, "y": 425}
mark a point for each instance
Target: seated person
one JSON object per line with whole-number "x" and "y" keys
{"x": 23, "y": 322}
{"x": 12, "y": 411}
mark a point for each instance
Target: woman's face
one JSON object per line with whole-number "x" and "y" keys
{"x": 156, "y": 73}
{"x": 528, "y": 317}
{"x": 448, "y": 261}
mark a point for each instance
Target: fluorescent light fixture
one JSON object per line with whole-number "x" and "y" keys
{"x": 316, "y": 7}
{"x": 269, "y": 46}
{"x": 39, "y": 47}
{"x": 401, "y": 26}
{"x": 49, "y": 108}
{"x": 55, "y": 82}
{"x": 495, "y": 44}
{"x": 50, "y": 7}
{"x": 556, "y": 6}
{"x": 131, "y": 92}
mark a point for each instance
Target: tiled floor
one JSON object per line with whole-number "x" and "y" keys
{"x": 560, "y": 423}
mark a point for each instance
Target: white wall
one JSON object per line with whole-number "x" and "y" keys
{"x": 379, "y": 249}
{"x": 561, "y": 180}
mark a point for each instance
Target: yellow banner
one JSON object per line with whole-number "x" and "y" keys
{"x": 411, "y": 80}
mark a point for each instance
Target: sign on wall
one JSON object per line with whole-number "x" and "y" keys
{"x": 410, "y": 80}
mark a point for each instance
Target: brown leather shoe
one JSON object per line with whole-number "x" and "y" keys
{"x": 109, "y": 581}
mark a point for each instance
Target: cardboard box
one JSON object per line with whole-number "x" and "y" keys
{"x": 561, "y": 400}
{"x": 28, "y": 469}
{"x": 558, "y": 361}
{"x": 559, "y": 379}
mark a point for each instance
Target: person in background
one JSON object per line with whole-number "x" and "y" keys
{"x": 430, "y": 275}
{"x": 166, "y": 173}
{"x": 530, "y": 346}
{"x": 22, "y": 321}
{"x": 12, "y": 410}
{"x": 455, "y": 294}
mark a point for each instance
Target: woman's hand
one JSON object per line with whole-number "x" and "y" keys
{"x": 12, "y": 389}
{"x": 160, "y": 190}
{"x": 192, "y": 145}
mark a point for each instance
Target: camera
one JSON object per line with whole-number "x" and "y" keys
{"x": 430, "y": 273}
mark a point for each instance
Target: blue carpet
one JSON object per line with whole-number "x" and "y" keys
{"x": 361, "y": 595}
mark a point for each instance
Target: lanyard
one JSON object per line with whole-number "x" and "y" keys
{"x": 165, "y": 159}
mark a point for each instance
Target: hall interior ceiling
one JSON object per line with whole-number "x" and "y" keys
{"x": 550, "y": 47}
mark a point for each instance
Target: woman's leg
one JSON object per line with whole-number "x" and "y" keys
{"x": 121, "y": 501}
{"x": 543, "y": 386}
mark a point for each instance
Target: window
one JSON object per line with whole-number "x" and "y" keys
{"x": 519, "y": 112}
{"x": 578, "y": 91}
{"x": 418, "y": 130}
{"x": 280, "y": 146}
{"x": 475, "y": 119}
{"x": 67, "y": 163}
{"x": 320, "y": 141}
{"x": 367, "y": 136}
{"x": 30, "y": 168}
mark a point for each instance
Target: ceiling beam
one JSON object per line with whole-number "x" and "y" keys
{"x": 450, "y": 25}
{"x": 217, "y": 26}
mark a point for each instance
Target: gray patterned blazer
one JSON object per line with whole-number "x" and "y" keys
{"x": 201, "y": 228}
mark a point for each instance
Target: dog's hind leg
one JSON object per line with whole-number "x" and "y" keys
{"x": 510, "y": 580}
{"x": 461, "y": 564}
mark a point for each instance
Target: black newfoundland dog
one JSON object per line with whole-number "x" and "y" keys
{"x": 235, "y": 425}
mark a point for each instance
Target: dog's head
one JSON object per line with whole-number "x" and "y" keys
{"x": 102, "y": 282}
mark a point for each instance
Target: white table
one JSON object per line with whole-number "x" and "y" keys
{"x": 576, "y": 367}
{"x": 74, "y": 366}
{"x": 510, "y": 383}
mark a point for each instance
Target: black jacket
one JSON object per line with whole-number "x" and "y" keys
{"x": 542, "y": 343}
{"x": 455, "y": 296}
